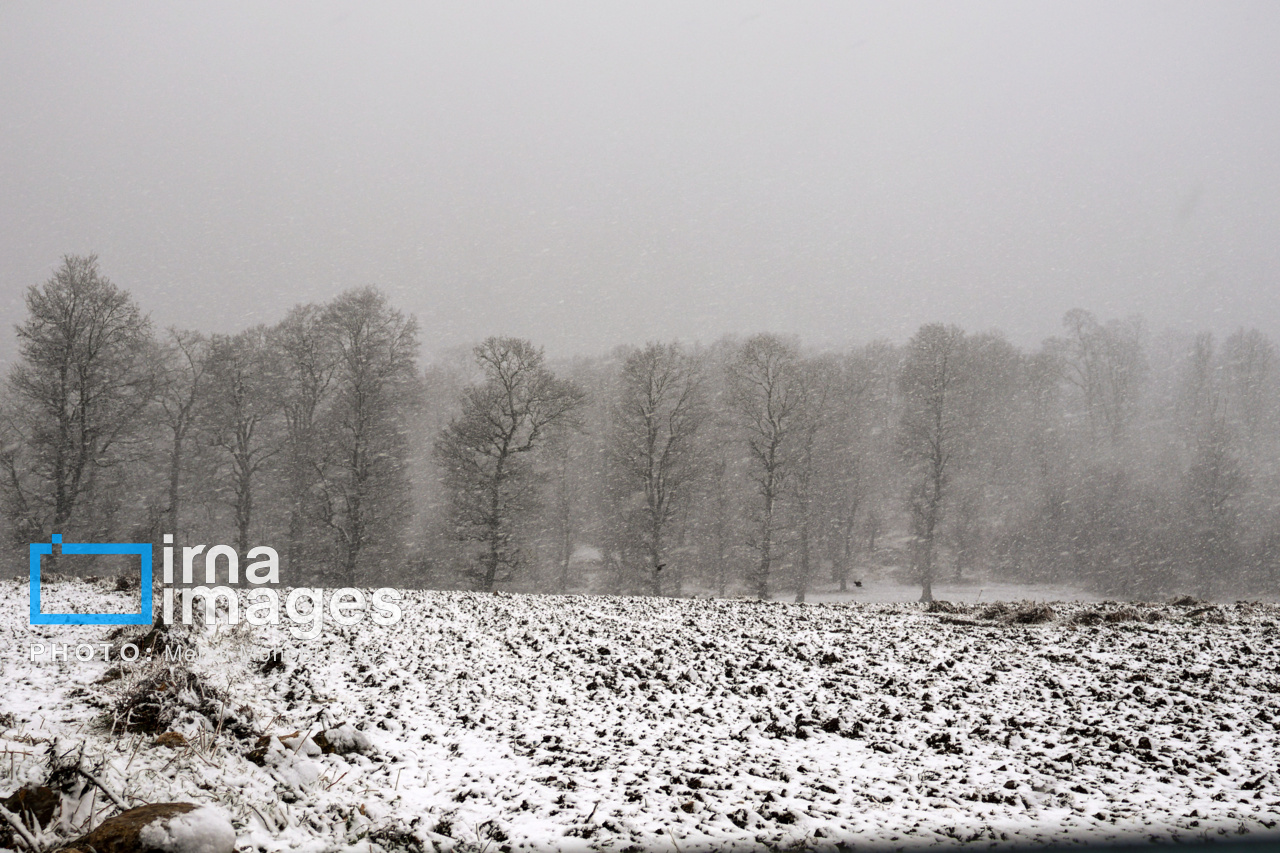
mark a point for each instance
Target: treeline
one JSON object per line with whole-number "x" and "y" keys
{"x": 1102, "y": 459}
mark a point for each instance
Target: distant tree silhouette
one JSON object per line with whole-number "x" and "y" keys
{"x": 483, "y": 452}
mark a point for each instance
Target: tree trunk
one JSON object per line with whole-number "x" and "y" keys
{"x": 244, "y": 512}
{"x": 844, "y": 562}
{"x": 355, "y": 524}
{"x": 565, "y": 506}
{"x": 655, "y": 549}
{"x": 803, "y": 581}
{"x": 926, "y": 548}
{"x": 494, "y": 533}
{"x": 721, "y": 531}
{"x": 655, "y": 565}
{"x": 175, "y": 470}
{"x": 766, "y": 550}
{"x": 566, "y": 537}
{"x": 295, "y": 536}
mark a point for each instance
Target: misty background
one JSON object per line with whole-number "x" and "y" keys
{"x": 587, "y": 175}
{"x": 689, "y": 300}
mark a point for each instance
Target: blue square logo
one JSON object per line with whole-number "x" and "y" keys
{"x": 39, "y": 549}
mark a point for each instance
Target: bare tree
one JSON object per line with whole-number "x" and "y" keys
{"x": 1106, "y": 364}
{"x": 814, "y": 486}
{"x": 1250, "y": 366}
{"x": 656, "y": 417}
{"x": 307, "y": 360}
{"x": 1214, "y": 486}
{"x": 767, "y": 391}
{"x": 993, "y": 412}
{"x": 931, "y": 382}
{"x": 1038, "y": 540}
{"x": 483, "y": 451}
{"x": 240, "y": 415}
{"x": 1198, "y": 392}
{"x": 360, "y": 471}
{"x": 856, "y": 468}
{"x": 966, "y": 530}
{"x": 184, "y": 364}
{"x": 560, "y": 448}
{"x": 76, "y": 396}
{"x": 720, "y": 509}
{"x": 841, "y": 538}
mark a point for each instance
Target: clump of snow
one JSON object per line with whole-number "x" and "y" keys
{"x": 299, "y": 744}
{"x": 205, "y": 829}
{"x": 346, "y": 738}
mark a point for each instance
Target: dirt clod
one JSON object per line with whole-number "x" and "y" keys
{"x": 34, "y": 806}
{"x": 173, "y": 740}
{"x": 126, "y": 832}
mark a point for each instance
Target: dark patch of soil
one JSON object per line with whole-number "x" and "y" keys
{"x": 1036, "y": 614}
{"x": 35, "y": 807}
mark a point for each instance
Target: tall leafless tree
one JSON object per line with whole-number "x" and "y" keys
{"x": 1215, "y": 485}
{"x": 564, "y": 497}
{"x": 184, "y": 366}
{"x": 361, "y": 468}
{"x": 656, "y": 418}
{"x": 307, "y": 360}
{"x": 1106, "y": 363}
{"x": 1251, "y": 380}
{"x": 483, "y": 451}
{"x": 85, "y": 375}
{"x": 240, "y": 415}
{"x": 767, "y": 390}
{"x": 931, "y": 381}
{"x": 813, "y": 486}
{"x": 1199, "y": 391}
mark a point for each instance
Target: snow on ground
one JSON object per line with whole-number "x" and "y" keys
{"x": 502, "y": 722}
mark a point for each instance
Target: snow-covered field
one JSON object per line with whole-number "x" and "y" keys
{"x": 501, "y": 722}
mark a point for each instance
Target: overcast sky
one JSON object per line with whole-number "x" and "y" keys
{"x": 589, "y": 174}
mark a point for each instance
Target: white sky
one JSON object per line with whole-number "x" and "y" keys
{"x": 588, "y": 174}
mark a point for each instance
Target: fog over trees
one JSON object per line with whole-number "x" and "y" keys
{"x": 1109, "y": 458}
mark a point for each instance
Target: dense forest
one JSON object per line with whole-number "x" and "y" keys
{"x": 1109, "y": 459}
